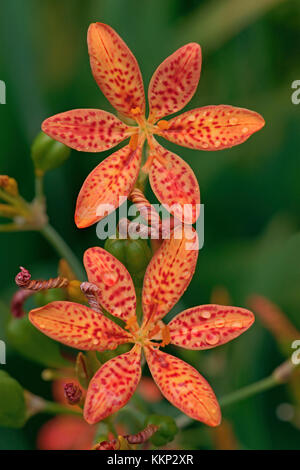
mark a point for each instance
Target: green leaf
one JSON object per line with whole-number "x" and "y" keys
{"x": 33, "y": 345}
{"x": 12, "y": 402}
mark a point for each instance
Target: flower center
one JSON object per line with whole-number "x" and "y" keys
{"x": 144, "y": 335}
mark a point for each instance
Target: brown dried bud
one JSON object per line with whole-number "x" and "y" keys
{"x": 73, "y": 393}
{"x": 108, "y": 445}
{"x": 17, "y": 302}
{"x": 23, "y": 277}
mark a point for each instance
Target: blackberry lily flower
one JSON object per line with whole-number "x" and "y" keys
{"x": 198, "y": 328}
{"x": 173, "y": 84}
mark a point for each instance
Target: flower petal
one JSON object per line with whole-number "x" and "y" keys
{"x": 169, "y": 273}
{"x": 78, "y": 326}
{"x": 87, "y": 130}
{"x": 115, "y": 69}
{"x": 117, "y": 294}
{"x": 207, "y": 326}
{"x": 174, "y": 184}
{"x": 107, "y": 185}
{"x": 184, "y": 387}
{"x": 213, "y": 127}
{"x": 174, "y": 82}
{"x": 113, "y": 386}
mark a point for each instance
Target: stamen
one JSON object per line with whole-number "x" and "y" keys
{"x": 133, "y": 143}
{"x": 154, "y": 331}
{"x": 156, "y": 156}
{"x": 132, "y": 324}
{"x": 166, "y": 338}
{"x": 163, "y": 125}
{"x": 135, "y": 111}
{"x": 146, "y": 167}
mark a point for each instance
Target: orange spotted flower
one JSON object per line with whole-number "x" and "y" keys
{"x": 198, "y": 328}
{"x": 173, "y": 84}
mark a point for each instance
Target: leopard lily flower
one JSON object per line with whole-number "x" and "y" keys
{"x": 198, "y": 328}
{"x": 173, "y": 84}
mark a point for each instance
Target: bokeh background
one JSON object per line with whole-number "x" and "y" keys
{"x": 251, "y": 193}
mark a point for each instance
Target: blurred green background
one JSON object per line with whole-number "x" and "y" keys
{"x": 251, "y": 193}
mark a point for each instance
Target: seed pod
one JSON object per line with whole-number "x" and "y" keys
{"x": 134, "y": 254}
{"x": 47, "y": 153}
{"x": 167, "y": 429}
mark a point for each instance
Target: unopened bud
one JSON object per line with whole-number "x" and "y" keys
{"x": 74, "y": 291}
{"x": 47, "y": 153}
{"x": 9, "y": 185}
{"x": 134, "y": 254}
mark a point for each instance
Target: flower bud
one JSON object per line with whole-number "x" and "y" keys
{"x": 52, "y": 295}
{"x": 47, "y": 153}
{"x": 167, "y": 429}
{"x": 117, "y": 248}
{"x": 134, "y": 254}
{"x": 9, "y": 185}
{"x": 65, "y": 270}
{"x": 74, "y": 292}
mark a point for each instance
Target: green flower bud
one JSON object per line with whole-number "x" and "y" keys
{"x": 47, "y": 153}
{"x": 33, "y": 344}
{"x": 134, "y": 254}
{"x": 45, "y": 297}
{"x": 138, "y": 255}
{"x": 167, "y": 429}
{"x": 12, "y": 402}
{"x": 117, "y": 248}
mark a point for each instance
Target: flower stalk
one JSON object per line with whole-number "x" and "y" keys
{"x": 279, "y": 376}
{"x": 63, "y": 250}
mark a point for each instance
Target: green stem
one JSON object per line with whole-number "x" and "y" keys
{"x": 39, "y": 187}
{"x": 279, "y": 376}
{"x": 63, "y": 250}
{"x": 249, "y": 391}
{"x": 55, "y": 408}
{"x": 9, "y": 227}
{"x": 17, "y": 202}
{"x": 110, "y": 426}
